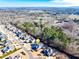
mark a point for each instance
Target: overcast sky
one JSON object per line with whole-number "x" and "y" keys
{"x": 38, "y": 3}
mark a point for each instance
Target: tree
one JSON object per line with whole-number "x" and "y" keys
{"x": 40, "y": 23}
{"x": 27, "y": 26}
{"x": 55, "y": 32}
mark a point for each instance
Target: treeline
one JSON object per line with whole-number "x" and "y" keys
{"x": 55, "y": 35}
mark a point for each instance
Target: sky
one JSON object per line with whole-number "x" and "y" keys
{"x": 38, "y": 3}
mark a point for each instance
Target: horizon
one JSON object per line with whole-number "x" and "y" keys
{"x": 38, "y": 3}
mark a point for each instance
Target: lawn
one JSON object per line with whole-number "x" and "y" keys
{"x": 4, "y": 55}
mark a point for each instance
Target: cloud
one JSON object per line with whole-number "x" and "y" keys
{"x": 60, "y": 3}
{"x": 66, "y": 2}
{"x": 73, "y": 2}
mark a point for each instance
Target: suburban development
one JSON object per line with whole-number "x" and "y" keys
{"x": 39, "y": 33}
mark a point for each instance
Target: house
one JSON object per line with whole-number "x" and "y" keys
{"x": 9, "y": 57}
{"x": 2, "y": 37}
{"x": 7, "y": 49}
{"x": 18, "y": 33}
{"x": 36, "y": 46}
{"x": 22, "y": 36}
{"x": 30, "y": 39}
{"x": 17, "y": 57}
{"x": 47, "y": 51}
{"x": 7, "y": 42}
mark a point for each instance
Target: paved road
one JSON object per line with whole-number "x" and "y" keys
{"x": 25, "y": 49}
{"x": 69, "y": 55}
{"x": 19, "y": 42}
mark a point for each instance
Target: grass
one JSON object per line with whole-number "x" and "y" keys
{"x": 4, "y": 55}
